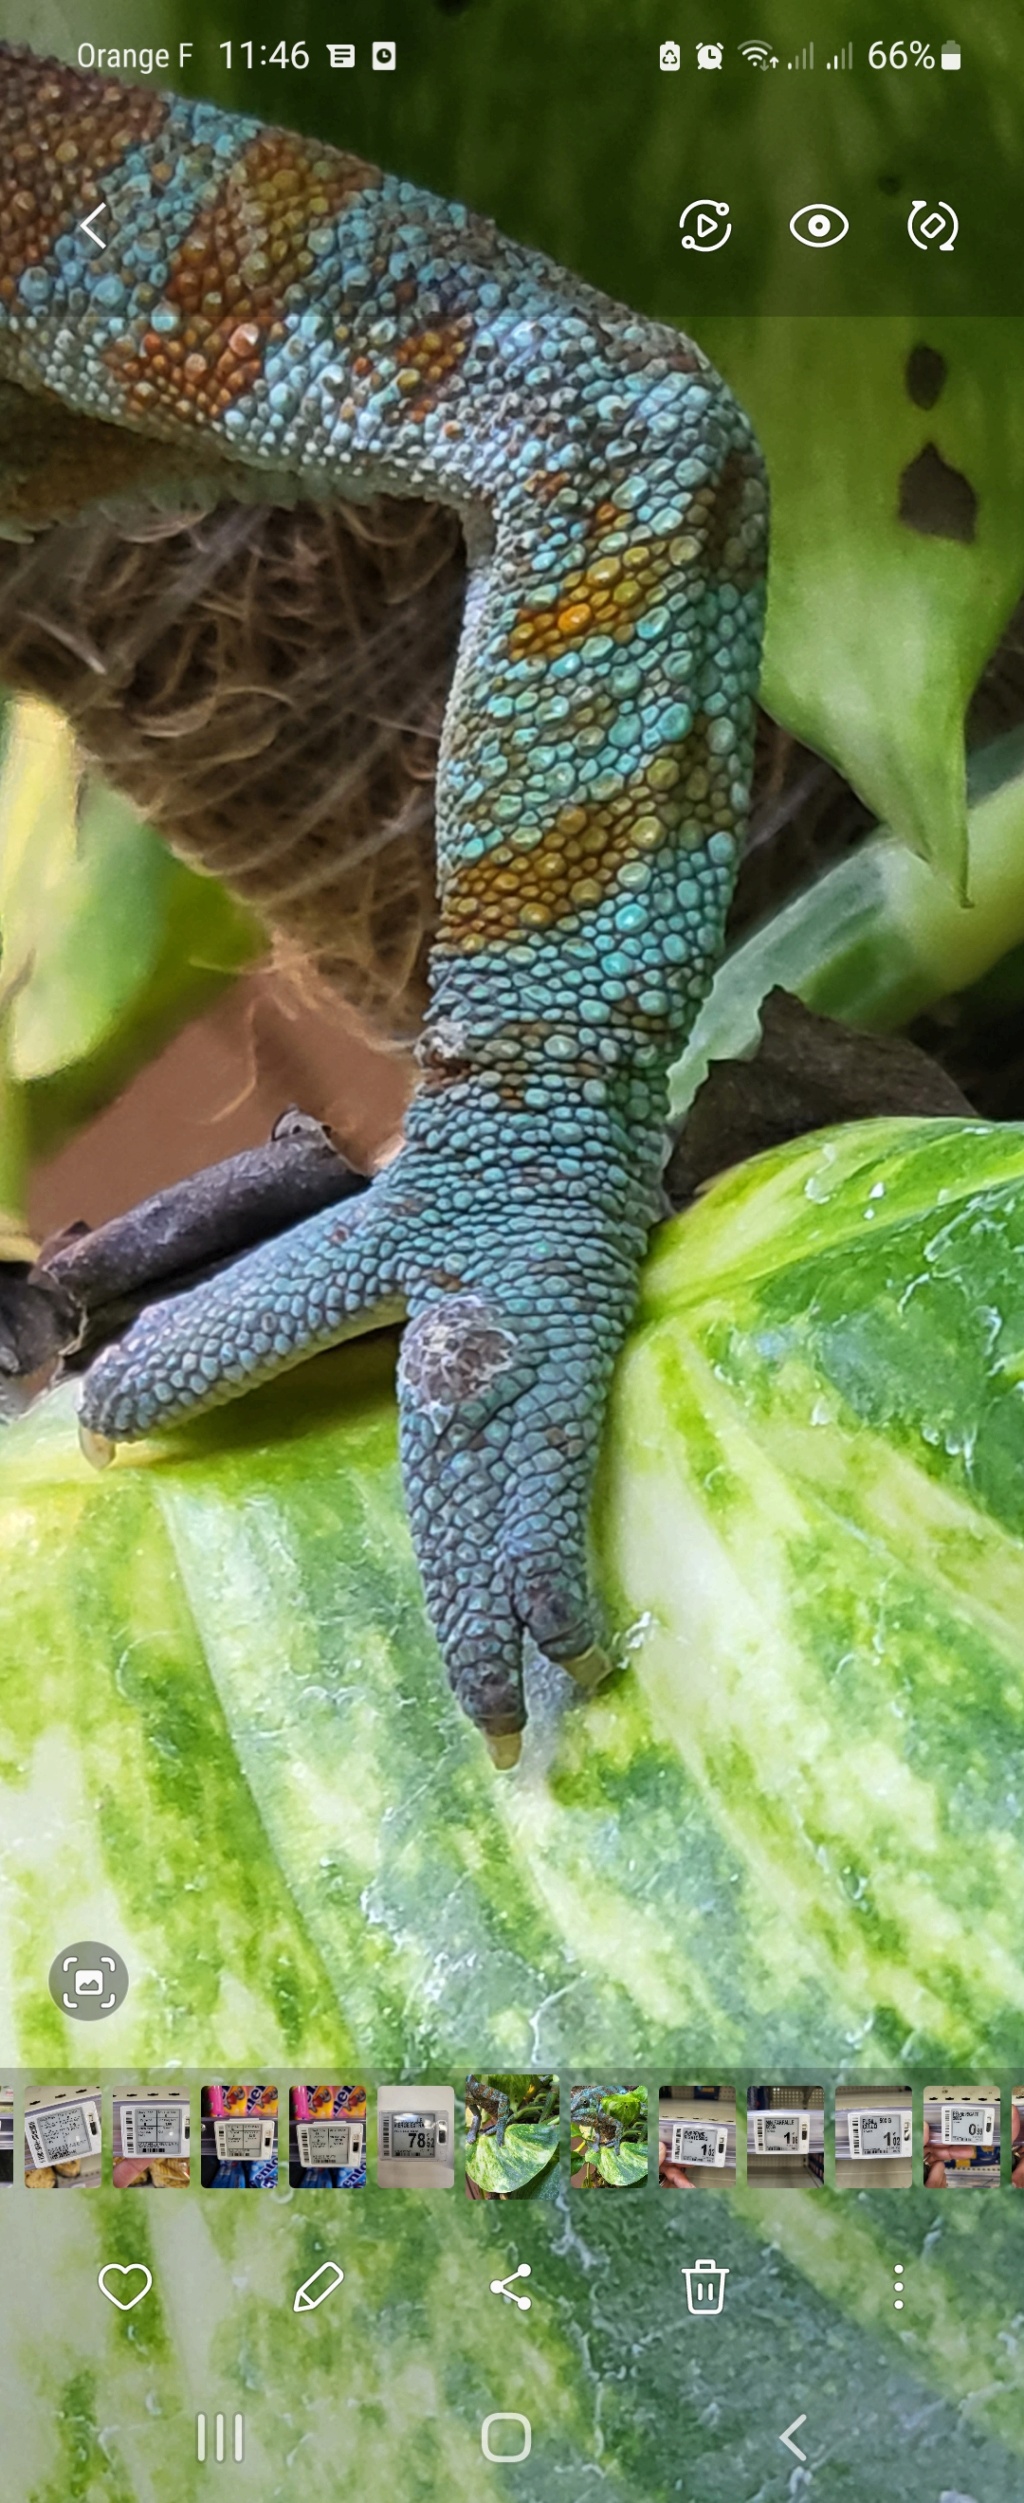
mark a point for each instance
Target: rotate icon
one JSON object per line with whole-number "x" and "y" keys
{"x": 939, "y": 225}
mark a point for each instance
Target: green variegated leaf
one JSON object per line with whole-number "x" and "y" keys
{"x": 527, "y": 2149}
{"x": 898, "y": 545}
{"x": 792, "y": 1817}
{"x": 623, "y": 2167}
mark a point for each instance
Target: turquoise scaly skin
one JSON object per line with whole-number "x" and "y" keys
{"x": 269, "y": 310}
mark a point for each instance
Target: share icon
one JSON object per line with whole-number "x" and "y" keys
{"x": 504, "y": 2285}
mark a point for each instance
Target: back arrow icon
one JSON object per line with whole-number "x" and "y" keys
{"x": 85, "y": 225}
{"x": 791, "y": 2429}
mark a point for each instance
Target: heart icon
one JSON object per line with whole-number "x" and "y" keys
{"x": 125, "y": 2302}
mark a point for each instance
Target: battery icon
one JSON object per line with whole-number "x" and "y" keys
{"x": 950, "y": 56}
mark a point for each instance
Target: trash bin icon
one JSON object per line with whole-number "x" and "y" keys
{"x": 705, "y": 2288}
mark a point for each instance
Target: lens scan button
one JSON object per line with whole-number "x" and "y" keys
{"x": 88, "y": 1980}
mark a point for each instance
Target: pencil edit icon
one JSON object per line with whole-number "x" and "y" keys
{"x": 316, "y": 2289}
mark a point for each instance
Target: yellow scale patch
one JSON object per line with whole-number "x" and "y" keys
{"x": 577, "y": 861}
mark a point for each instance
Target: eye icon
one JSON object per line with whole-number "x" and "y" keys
{"x": 819, "y": 225}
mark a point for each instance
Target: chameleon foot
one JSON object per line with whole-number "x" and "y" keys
{"x": 513, "y": 1323}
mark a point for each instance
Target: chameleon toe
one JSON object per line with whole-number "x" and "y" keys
{"x": 590, "y": 1667}
{"x": 307, "y": 1289}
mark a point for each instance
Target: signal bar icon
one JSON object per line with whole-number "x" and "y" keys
{"x": 802, "y": 60}
{"x": 841, "y": 60}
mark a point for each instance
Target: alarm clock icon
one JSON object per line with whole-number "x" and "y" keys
{"x": 709, "y": 56}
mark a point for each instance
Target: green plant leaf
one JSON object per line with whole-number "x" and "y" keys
{"x": 878, "y": 630}
{"x": 527, "y": 2150}
{"x": 109, "y": 944}
{"x": 624, "y": 2168}
{"x": 544, "y": 2185}
{"x": 789, "y": 1817}
{"x": 882, "y": 935}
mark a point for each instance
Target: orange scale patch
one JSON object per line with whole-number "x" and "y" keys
{"x": 680, "y": 797}
{"x": 231, "y": 273}
{"x": 606, "y": 596}
{"x": 505, "y": 891}
{"x": 545, "y": 484}
{"x": 45, "y": 189}
{"x": 428, "y": 359}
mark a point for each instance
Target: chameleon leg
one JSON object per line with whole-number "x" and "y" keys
{"x": 586, "y": 846}
{"x": 330, "y": 331}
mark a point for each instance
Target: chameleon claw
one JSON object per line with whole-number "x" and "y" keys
{"x": 590, "y": 1667}
{"x": 97, "y": 1449}
{"x": 504, "y": 1748}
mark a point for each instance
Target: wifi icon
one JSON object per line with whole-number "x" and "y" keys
{"x": 760, "y": 56}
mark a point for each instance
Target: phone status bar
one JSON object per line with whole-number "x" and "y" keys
{"x": 917, "y": 52}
